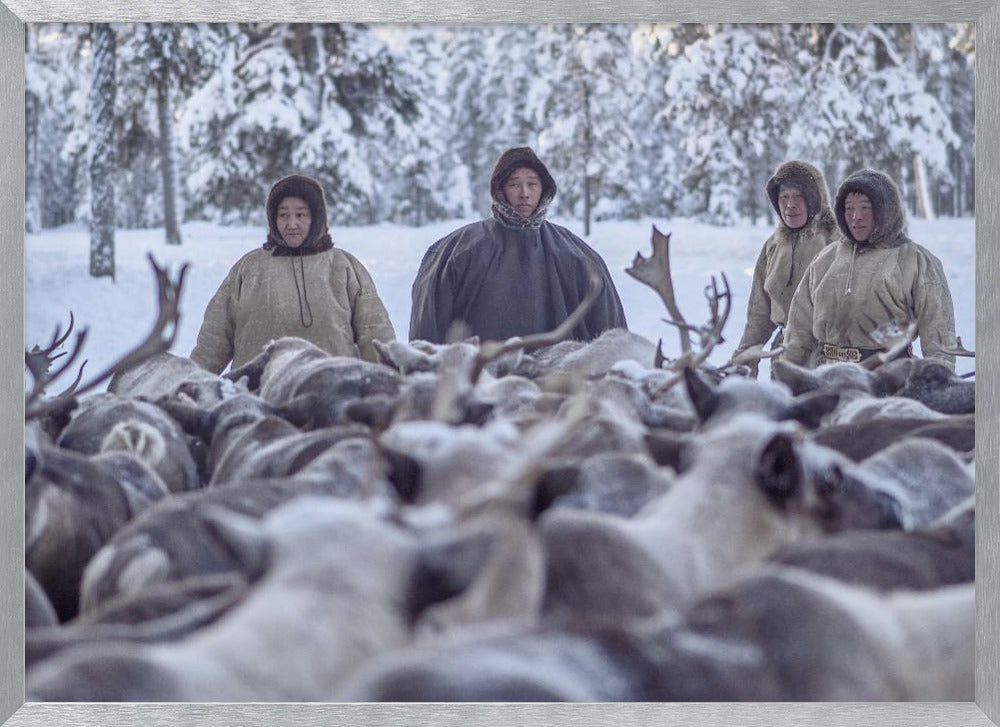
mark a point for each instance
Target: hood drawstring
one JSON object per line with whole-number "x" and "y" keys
{"x": 301, "y": 294}
{"x": 791, "y": 268}
{"x": 850, "y": 275}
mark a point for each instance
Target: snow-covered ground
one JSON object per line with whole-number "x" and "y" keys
{"x": 120, "y": 313}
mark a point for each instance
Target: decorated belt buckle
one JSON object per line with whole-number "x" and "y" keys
{"x": 840, "y": 353}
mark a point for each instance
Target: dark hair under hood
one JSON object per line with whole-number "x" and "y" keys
{"x": 809, "y": 181}
{"x": 308, "y": 189}
{"x": 521, "y": 156}
{"x": 887, "y": 207}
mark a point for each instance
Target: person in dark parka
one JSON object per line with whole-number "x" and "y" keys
{"x": 515, "y": 273}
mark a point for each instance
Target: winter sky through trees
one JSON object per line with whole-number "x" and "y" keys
{"x": 402, "y": 123}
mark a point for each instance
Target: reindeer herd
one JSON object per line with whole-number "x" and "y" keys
{"x": 534, "y": 519}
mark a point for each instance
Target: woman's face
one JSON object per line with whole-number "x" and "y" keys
{"x": 859, "y": 215}
{"x": 293, "y": 220}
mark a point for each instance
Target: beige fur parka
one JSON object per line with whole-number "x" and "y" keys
{"x": 787, "y": 252}
{"x": 316, "y": 292}
{"x": 852, "y": 287}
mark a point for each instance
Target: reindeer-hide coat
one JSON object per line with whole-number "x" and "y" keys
{"x": 510, "y": 275}
{"x": 256, "y": 304}
{"x": 787, "y": 252}
{"x": 853, "y": 287}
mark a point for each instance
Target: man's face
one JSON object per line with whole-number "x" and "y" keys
{"x": 523, "y": 190}
{"x": 792, "y": 205}
{"x": 859, "y": 215}
{"x": 293, "y": 220}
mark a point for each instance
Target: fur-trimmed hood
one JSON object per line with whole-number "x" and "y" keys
{"x": 887, "y": 207}
{"x": 308, "y": 189}
{"x": 521, "y": 156}
{"x": 809, "y": 181}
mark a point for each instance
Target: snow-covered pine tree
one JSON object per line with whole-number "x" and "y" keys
{"x": 324, "y": 100}
{"x": 657, "y": 155}
{"x": 57, "y": 84}
{"x": 734, "y": 96}
{"x": 580, "y": 100}
{"x": 869, "y": 107}
{"x": 501, "y": 99}
{"x": 427, "y": 180}
{"x": 238, "y": 127}
{"x": 452, "y": 61}
{"x": 102, "y": 153}
{"x": 363, "y": 141}
{"x": 166, "y": 61}
{"x": 945, "y": 60}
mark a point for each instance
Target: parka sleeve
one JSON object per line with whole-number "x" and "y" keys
{"x": 369, "y": 318}
{"x": 933, "y": 307}
{"x": 759, "y": 326}
{"x": 607, "y": 311}
{"x": 799, "y": 341}
{"x": 433, "y": 296}
{"x": 214, "y": 347}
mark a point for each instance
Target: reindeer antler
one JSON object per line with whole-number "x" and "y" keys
{"x": 754, "y": 354}
{"x": 654, "y": 271}
{"x": 160, "y": 338}
{"x": 491, "y": 350}
{"x": 893, "y": 336}
{"x": 458, "y": 374}
{"x": 39, "y": 362}
{"x": 959, "y": 349}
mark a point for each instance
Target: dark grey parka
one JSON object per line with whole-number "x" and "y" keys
{"x": 510, "y": 275}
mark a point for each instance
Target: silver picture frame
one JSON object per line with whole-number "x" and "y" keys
{"x": 981, "y": 713}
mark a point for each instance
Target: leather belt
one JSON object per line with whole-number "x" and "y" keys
{"x": 846, "y": 353}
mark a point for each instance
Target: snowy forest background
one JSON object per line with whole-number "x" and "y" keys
{"x": 402, "y": 123}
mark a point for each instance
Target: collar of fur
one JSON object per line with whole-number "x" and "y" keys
{"x": 887, "y": 206}
{"x": 510, "y": 217}
{"x": 280, "y": 249}
{"x": 809, "y": 181}
{"x": 821, "y": 224}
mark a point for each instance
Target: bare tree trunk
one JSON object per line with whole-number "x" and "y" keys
{"x": 33, "y": 187}
{"x": 924, "y": 202}
{"x": 102, "y": 153}
{"x": 957, "y": 206}
{"x": 171, "y": 221}
{"x": 587, "y": 152}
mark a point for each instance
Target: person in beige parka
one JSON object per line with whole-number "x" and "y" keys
{"x": 805, "y": 226}
{"x": 871, "y": 276}
{"x": 296, "y": 284}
